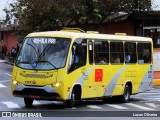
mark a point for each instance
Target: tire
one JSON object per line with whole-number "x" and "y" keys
{"x": 28, "y": 102}
{"x": 71, "y": 103}
{"x": 126, "y": 94}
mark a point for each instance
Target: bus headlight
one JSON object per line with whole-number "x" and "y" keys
{"x": 16, "y": 82}
{"x": 57, "y": 84}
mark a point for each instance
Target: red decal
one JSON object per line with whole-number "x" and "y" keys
{"x": 98, "y": 75}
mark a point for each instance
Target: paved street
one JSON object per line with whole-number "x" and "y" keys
{"x": 148, "y": 101}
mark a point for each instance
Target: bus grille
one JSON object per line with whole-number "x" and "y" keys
{"x": 36, "y": 75}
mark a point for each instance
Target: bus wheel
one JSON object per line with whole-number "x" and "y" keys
{"x": 126, "y": 95}
{"x": 28, "y": 102}
{"x": 71, "y": 103}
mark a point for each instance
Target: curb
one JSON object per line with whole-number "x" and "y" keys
{"x": 9, "y": 63}
{"x": 156, "y": 87}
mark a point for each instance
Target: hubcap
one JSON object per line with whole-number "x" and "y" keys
{"x": 73, "y": 99}
{"x": 126, "y": 94}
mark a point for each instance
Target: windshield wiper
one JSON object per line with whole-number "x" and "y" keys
{"x": 45, "y": 49}
{"x": 43, "y": 61}
{"x": 33, "y": 47}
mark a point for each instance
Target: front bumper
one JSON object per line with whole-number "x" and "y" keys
{"x": 40, "y": 93}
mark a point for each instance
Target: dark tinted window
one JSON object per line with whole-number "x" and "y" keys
{"x": 101, "y": 50}
{"x": 144, "y": 53}
{"x": 90, "y": 48}
{"x": 130, "y": 52}
{"x": 116, "y": 52}
{"x": 78, "y": 54}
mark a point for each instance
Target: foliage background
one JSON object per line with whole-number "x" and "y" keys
{"x": 27, "y": 16}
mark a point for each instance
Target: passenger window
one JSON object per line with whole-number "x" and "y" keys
{"x": 101, "y": 50}
{"x": 78, "y": 54}
{"x": 90, "y": 48}
{"x": 144, "y": 53}
{"x": 116, "y": 52}
{"x": 130, "y": 52}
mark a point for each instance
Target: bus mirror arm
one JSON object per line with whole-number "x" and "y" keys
{"x": 21, "y": 41}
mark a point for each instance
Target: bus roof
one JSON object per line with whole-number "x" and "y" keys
{"x": 87, "y": 35}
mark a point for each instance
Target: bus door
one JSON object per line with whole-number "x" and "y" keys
{"x": 90, "y": 88}
{"x": 77, "y": 63}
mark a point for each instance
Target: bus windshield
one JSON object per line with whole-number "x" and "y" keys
{"x": 43, "y": 53}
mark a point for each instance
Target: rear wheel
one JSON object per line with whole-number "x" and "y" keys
{"x": 28, "y": 102}
{"x": 126, "y": 94}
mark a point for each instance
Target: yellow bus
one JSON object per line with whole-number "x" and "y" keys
{"x": 69, "y": 65}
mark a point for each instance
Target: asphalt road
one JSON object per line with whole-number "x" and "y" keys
{"x": 146, "y": 104}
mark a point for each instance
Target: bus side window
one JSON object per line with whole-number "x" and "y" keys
{"x": 144, "y": 50}
{"x": 90, "y": 48}
{"x": 116, "y": 52}
{"x": 130, "y": 52}
{"x": 101, "y": 50}
{"x": 78, "y": 54}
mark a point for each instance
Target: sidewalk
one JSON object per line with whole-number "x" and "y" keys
{"x": 6, "y": 61}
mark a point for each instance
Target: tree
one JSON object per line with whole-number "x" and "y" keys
{"x": 27, "y": 16}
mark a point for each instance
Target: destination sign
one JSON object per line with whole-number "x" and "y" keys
{"x": 44, "y": 40}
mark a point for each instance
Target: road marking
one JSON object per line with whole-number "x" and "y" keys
{"x": 94, "y": 107}
{"x": 116, "y": 106}
{"x": 144, "y": 101}
{"x": 35, "y": 102}
{"x": 11, "y": 104}
{"x": 2, "y": 60}
{"x": 5, "y": 81}
{"x": 57, "y": 102}
{"x": 139, "y": 106}
{"x": 152, "y": 93}
{"x": 2, "y": 86}
{"x": 149, "y": 97}
{"x": 151, "y": 104}
{"x": 8, "y": 74}
{"x": 73, "y": 108}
